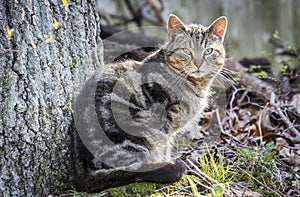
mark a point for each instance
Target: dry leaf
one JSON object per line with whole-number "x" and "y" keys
{"x": 291, "y": 156}
{"x": 295, "y": 102}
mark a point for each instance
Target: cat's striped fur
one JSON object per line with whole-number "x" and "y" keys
{"x": 141, "y": 106}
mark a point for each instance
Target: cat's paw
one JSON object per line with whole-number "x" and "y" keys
{"x": 167, "y": 174}
{"x": 175, "y": 115}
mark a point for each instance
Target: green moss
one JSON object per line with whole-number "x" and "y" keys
{"x": 261, "y": 74}
{"x": 184, "y": 182}
{"x": 134, "y": 190}
{"x": 284, "y": 68}
{"x": 143, "y": 189}
{"x": 253, "y": 67}
{"x": 237, "y": 77}
{"x": 276, "y": 35}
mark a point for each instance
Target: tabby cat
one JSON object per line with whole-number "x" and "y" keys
{"x": 128, "y": 114}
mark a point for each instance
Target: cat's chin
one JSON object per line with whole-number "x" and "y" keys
{"x": 200, "y": 75}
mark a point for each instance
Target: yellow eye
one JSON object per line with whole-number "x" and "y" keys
{"x": 208, "y": 51}
{"x": 187, "y": 51}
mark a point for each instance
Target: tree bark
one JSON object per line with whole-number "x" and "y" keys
{"x": 39, "y": 78}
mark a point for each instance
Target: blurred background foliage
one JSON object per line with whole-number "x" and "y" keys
{"x": 251, "y": 23}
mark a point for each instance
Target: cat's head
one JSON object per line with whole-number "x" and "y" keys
{"x": 195, "y": 50}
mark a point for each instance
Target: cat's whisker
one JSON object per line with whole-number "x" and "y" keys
{"x": 183, "y": 78}
{"x": 225, "y": 77}
{"x": 219, "y": 82}
{"x": 229, "y": 71}
{"x": 174, "y": 79}
{"x": 178, "y": 79}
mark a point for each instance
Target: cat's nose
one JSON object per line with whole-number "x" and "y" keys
{"x": 198, "y": 62}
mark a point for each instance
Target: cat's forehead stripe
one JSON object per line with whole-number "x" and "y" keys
{"x": 197, "y": 35}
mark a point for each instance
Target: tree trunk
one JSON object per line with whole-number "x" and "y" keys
{"x": 39, "y": 78}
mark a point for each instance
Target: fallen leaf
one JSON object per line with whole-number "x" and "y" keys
{"x": 291, "y": 156}
{"x": 295, "y": 102}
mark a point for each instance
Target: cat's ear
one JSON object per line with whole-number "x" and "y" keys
{"x": 218, "y": 27}
{"x": 175, "y": 25}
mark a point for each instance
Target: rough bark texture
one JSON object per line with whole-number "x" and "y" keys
{"x": 37, "y": 87}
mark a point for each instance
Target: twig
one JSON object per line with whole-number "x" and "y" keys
{"x": 219, "y": 120}
{"x": 284, "y": 118}
{"x": 259, "y": 124}
{"x": 253, "y": 164}
{"x": 201, "y": 184}
{"x": 136, "y": 13}
{"x": 231, "y": 105}
{"x": 293, "y": 126}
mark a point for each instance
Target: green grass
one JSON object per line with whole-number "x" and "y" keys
{"x": 216, "y": 168}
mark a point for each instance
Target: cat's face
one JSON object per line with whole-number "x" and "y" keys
{"x": 195, "y": 50}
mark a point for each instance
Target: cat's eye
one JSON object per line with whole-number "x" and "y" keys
{"x": 208, "y": 51}
{"x": 187, "y": 51}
